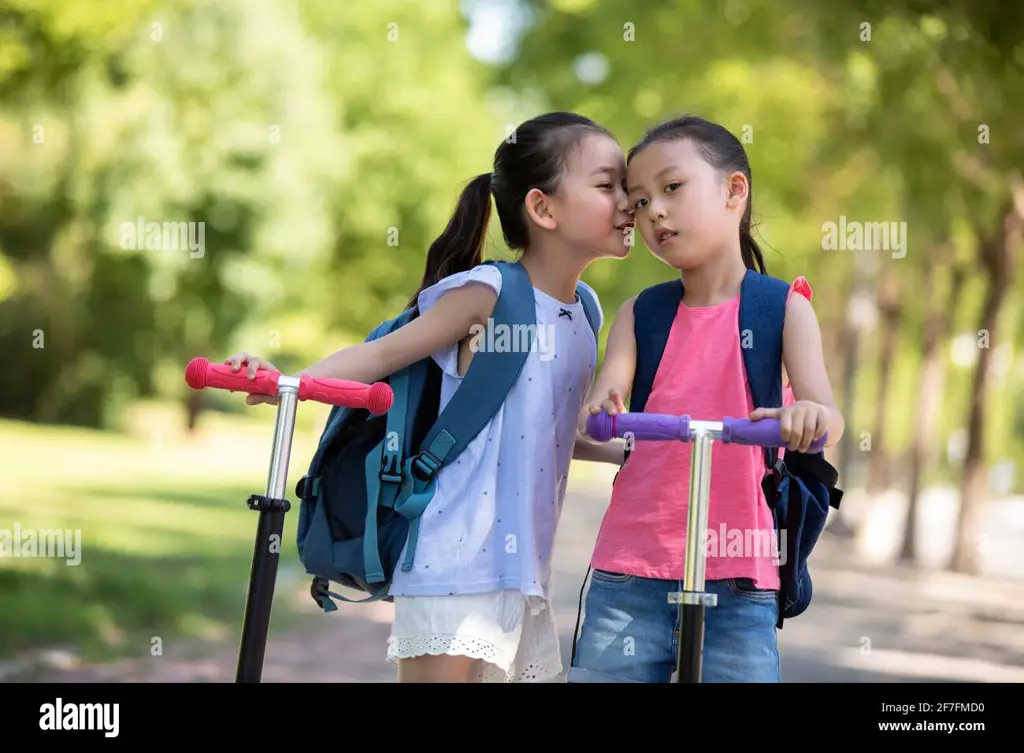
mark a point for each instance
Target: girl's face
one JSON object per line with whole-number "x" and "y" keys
{"x": 683, "y": 208}
{"x": 590, "y": 208}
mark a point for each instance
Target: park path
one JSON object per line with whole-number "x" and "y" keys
{"x": 867, "y": 624}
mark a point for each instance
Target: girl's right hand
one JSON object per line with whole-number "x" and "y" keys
{"x": 613, "y": 405}
{"x": 253, "y": 363}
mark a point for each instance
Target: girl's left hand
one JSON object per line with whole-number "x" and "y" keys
{"x": 800, "y": 424}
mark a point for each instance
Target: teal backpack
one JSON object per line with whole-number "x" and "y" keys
{"x": 372, "y": 476}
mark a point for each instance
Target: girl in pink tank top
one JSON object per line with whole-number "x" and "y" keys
{"x": 688, "y": 183}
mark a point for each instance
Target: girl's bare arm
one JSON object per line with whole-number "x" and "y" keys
{"x": 615, "y": 377}
{"x": 805, "y": 363}
{"x": 448, "y": 322}
{"x": 613, "y": 452}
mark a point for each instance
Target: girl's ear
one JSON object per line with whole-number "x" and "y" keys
{"x": 737, "y": 189}
{"x": 539, "y": 209}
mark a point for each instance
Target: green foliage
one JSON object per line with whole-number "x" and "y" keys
{"x": 322, "y": 149}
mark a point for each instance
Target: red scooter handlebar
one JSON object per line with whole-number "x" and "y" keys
{"x": 377, "y": 398}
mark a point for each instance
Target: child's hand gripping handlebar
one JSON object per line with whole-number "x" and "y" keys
{"x": 765, "y": 432}
{"x": 377, "y": 397}
{"x": 691, "y": 597}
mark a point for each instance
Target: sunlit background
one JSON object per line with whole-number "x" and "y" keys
{"x": 321, "y": 145}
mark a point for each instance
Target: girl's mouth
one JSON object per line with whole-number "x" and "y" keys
{"x": 664, "y": 235}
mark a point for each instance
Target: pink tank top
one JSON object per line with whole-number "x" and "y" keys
{"x": 644, "y": 529}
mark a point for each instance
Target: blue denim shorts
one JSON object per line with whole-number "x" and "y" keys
{"x": 630, "y": 632}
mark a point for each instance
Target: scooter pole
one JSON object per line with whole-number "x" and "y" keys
{"x": 692, "y": 600}
{"x": 272, "y": 505}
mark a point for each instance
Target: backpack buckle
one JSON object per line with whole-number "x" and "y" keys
{"x": 389, "y": 470}
{"x": 770, "y": 483}
{"x": 321, "y": 595}
{"x": 426, "y": 464}
{"x": 308, "y": 487}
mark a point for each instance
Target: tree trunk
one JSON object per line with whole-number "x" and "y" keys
{"x": 851, "y": 355}
{"x": 890, "y": 308}
{"x": 193, "y": 408}
{"x": 996, "y": 253}
{"x": 861, "y": 313}
{"x": 938, "y": 323}
{"x": 973, "y": 486}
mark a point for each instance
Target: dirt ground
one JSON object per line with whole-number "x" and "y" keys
{"x": 866, "y": 624}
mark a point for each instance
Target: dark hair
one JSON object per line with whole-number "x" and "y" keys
{"x": 721, "y": 150}
{"x": 535, "y": 155}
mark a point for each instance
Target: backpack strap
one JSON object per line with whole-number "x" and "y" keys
{"x": 321, "y": 593}
{"x": 483, "y": 390}
{"x": 762, "y": 318}
{"x": 489, "y": 378}
{"x": 656, "y": 307}
{"x": 383, "y": 484}
{"x": 384, "y": 478}
{"x": 590, "y": 309}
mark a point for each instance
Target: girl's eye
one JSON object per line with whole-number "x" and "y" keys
{"x": 605, "y": 185}
{"x": 673, "y": 186}
{"x": 637, "y": 203}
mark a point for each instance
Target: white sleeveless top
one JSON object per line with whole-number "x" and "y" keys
{"x": 491, "y": 524}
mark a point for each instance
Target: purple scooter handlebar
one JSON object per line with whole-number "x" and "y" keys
{"x": 653, "y": 426}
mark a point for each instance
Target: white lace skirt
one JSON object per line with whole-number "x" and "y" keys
{"x": 515, "y": 635}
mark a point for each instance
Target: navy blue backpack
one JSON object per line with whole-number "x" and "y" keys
{"x": 372, "y": 476}
{"x": 800, "y": 487}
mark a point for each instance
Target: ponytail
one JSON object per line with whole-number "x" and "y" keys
{"x": 460, "y": 247}
{"x": 750, "y": 251}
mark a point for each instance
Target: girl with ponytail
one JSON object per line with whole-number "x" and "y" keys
{"x": 476, "y": 607}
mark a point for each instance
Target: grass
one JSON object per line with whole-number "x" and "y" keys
{"x": 166, "y": 536}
